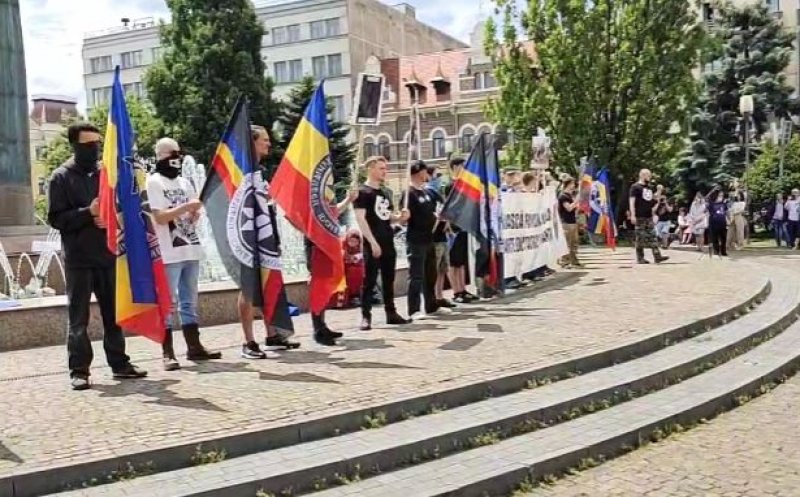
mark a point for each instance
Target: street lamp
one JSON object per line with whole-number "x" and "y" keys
{"x": 746, "y": 109}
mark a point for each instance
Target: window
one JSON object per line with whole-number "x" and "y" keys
{"x": 135, "y": 89}
{"x": 467, "y": 137}
{"x": 478, "y": 79}
{"x": 131, "y": 59}
{"x": 438, "y": 144}
{"x": 293, "y": 32}
{"x": 295, "y": 70}
{"x": 332, "y": 27}
{"x": 489, "y": 81}
{"x": 100, "y": 64}
{"x": 156, "y": 53}
{"x": 279, "y": 35}
{"x": 319, "y": 67}
{"x": 325, "y": 28}
{"x": 337, "y": 113}
{"x": 708, "y": 13}
{"x": 317, "y": 30}
{"x": 335, "y": 65}
{"x": 101, "y": 96}
{"x": 369, "y": 147}
{"x": 42, "y": 186}
{"x": 484, "y": 130}
{"x": 384, "y": 148}
{"x": 281, "y": 72}
{"x": 773, "y": 6}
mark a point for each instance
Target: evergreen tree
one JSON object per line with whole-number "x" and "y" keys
{"x": 211, "y": 56}
{"x": 342, "y": 152}
{"x": 693, "y": 170}
{"x": 752, "y": 52}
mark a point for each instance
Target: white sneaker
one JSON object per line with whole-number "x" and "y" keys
{"x": 444, "y": 310}
{"x": 419, "y": 316}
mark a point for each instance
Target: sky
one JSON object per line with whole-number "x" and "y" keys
{"x": 53, "y": 32}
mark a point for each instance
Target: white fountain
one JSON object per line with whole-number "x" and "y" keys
{"x": 37, "y": 286}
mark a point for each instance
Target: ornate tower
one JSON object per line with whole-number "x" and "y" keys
{"x": 16, "y": 203}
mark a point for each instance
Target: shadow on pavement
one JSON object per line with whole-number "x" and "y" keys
{"x": 7, "y": 455}
{"x": 158, "y": 391}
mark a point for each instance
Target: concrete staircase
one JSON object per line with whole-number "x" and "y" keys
{"x": 483, "y": 439}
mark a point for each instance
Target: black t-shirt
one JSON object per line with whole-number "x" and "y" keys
{"x": 378, "y": 207}
{"x": 422, "y": 207}
{"x": 663, "y": 214}
{"x": 439, "y": 235}
{"x": 643, "y": 200}
{"x": 447, "y": 189}
{"x": 566, "y": 216}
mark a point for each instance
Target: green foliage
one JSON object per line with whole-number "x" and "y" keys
{"x": 342, "y": 153}
{"x": 749, "y": 51}
{"x": 56, "y": 153}
{"x": 763, "y": 179}
{"x": 608, "y": 78}
{"x": 147, "y": 127}
{"x": 211, "y": 56}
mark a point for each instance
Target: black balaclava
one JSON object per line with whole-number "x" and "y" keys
{"x": 170, "y": 167}
{"x": 86, "y": 156}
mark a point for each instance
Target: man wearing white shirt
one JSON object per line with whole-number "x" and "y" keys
{"x": 176, "y": 209}
{"x": 792, "y": 207}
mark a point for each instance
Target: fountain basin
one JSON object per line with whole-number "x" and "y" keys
{"x": 42, "y": 322}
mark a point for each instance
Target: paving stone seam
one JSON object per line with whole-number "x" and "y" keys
{"x": 449, "y": 431}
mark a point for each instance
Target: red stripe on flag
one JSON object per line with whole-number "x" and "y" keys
{"x": 292, "y": 191}
{"x": 272, "y": 288}
{"x": 468, "y": 191}
{"x": 108, "y": 211}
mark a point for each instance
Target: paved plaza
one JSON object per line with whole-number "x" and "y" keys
{"x": 752, "y": 451}
{"x": 607, "y": 304}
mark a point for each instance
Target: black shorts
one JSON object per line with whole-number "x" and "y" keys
{"x": 459, "y": 252}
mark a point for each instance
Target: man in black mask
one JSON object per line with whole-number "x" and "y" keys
{"x": 176, "y": 210}
{"x": 74, "y": 210}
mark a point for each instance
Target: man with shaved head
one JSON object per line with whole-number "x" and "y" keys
{"x": 642, "y": 208}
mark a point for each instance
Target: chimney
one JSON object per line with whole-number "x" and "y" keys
{"x": 126, "y": 21}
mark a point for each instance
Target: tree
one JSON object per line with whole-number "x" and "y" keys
{"x": 211, "y": 57}
{"x": 607, "y": 78}
{"x": 342, "y": 152}
{"x": 147, "y": 127}
{"x": 763, "y": 180}
{"x": 749, "y": 54}
{"x": 693, "y": 170}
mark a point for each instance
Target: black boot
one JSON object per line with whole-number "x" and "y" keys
{"x": 318, "y": 322}
{"x": 170, "y": 362}
{"x": 323, "y": 337}
{"x": 194, "y": 349}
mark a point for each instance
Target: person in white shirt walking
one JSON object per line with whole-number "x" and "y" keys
{"x": 176, "y": 209}
{"x": 792, "y": 208}
{"x": 778, "y": 219}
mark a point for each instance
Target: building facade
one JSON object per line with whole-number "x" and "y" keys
{"x": 328, "y": 39}
{"x": 453, "y": 87}
{"x": 47, "y": 119}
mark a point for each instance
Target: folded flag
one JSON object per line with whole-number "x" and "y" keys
{"x": 142, "y": 291}
{"x": 235, "y": 196}
{"x": 303, "y": 188}
{"x": 601, "y": 218}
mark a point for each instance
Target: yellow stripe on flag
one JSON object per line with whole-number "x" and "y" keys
{"x": 230, "y": 164}
{"x": 110, "y": 153}
{"x": 307, "y": 149}
{"x": 475, "y": 182}
{"x": 126, "y": 308}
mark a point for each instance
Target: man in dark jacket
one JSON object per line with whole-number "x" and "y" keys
{"x": 74, "y": 210}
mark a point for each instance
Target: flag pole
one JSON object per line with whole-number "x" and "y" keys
{"x": 413, "y": 137}
{"x": 487, "y": 206}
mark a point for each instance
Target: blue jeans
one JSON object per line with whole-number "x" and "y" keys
{"x": 183, "y": 278}
{"x": 779, "y": 230}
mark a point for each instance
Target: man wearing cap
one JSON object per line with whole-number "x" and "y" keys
{"x": 419, "y": 242}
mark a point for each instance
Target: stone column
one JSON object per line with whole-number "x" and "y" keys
{"x": 16, "y": 200}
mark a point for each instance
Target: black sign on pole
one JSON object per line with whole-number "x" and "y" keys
{"x": 368, "y": 99}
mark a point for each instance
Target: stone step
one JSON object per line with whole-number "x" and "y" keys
{"x": 305, "y": 466}
{"x": 49, "y": 479}
{"x": 498, "y": 469}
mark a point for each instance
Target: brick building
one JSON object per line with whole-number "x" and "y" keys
{"x": 453, "y": 88}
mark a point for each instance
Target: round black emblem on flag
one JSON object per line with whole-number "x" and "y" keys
{"x": 323, "y": 196}
{"x": 249, "y": 225}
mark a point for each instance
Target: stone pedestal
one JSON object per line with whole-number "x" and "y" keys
{"x": 16, "y": 200}
{"x": 18, "y": 239}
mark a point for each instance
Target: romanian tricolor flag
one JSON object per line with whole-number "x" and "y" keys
{"x": 473, "y": 205}
{"x": 601, "y": 219}
{"x": 142, "y": 291}
{"x": 235, "y": 196}
{"x": 302, "y": 187}
{"x": 585, "y": 181}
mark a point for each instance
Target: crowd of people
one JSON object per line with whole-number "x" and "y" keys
{"x": 437, "y": 252}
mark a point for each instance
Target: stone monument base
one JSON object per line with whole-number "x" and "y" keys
{"x": 18, "y": 239}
